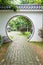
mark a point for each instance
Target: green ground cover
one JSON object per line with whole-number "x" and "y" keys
{"x": 25, "y": 34}
{"x": 38, "y": 43}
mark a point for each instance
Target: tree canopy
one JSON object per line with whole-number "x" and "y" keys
{"x": 22, "y": 1}
{"x": 12, "y": 3}
{"x": 8, "y": 3}
{"x": 20, "y": 22}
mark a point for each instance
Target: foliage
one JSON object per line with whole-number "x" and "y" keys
{"x": 28, "y": 1}
{"x": 42, "y": 2}
{"x": 25, "y": 34}
{"x": 1, "y": 41}
{"x": 41, "y": 33}
{"x": 9, "y": 3}
{"x": 20, "y": 23}
{"x": 13, "y": 3}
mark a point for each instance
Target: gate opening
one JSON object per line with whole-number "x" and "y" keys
{"x": 19, "y": 26}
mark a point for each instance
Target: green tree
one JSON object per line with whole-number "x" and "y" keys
{"x": 42, "y": 2}
{"x": 12, "y": 2}
{"x": 9, "y": 3}
{"x": 20, "y": 22}
{"x": 37, "y": 1}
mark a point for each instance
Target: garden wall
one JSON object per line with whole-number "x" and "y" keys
{"x": 35, "y": 16}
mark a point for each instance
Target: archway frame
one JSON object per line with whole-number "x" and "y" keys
{"x": 28, "y": 19}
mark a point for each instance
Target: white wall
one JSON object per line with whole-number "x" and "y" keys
{"x": 34, "y": 16}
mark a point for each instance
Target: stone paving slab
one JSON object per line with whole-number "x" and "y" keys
{"x": 20, "y": 53}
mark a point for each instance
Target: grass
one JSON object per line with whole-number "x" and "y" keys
{"x": 38, "y": 43}
{"x": 25, "y": 34}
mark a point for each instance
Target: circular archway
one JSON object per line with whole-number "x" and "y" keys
{"x": 20, "y": 26}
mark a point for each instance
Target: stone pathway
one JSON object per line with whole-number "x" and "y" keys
{"x": 20, "y": 53}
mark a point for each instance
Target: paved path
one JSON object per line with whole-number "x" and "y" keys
{"x": 20, "y": 53}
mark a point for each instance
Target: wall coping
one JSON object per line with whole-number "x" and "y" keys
{"x": 23, "y": 7}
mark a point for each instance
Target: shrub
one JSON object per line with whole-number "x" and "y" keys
{"x": 1, "y": 40}
{"x": 41, "y": 33}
